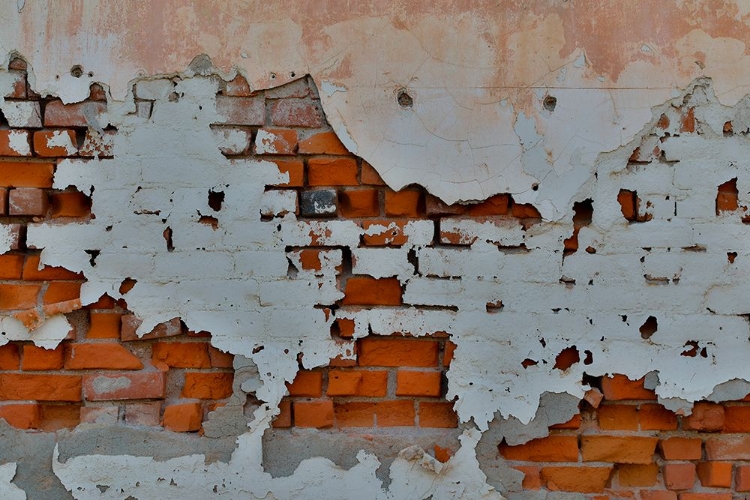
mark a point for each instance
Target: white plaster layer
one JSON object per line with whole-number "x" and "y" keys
{"x": 7, "y": 489}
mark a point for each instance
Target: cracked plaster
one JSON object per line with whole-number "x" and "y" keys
{"x": 448, "y": 142}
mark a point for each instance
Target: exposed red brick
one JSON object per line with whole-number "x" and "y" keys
{"x": 307, "y": 384}
{"x": 332, "y": 172}
{"x": 631, "y": 475}
{"x": 495, "y": 205}
{"x": 31, "y": 271}
{"x": 365, "y": 383}
{"x": 706, "y": 417}
{"x": 418, "y": 383}
{"x": 143, "y": 413}
{"x": 22, "y": 387}
{"x": 625, "y": 450}
{"x": 57, "y": 114}
{"x": 26, "y": 174}
{"x": 618, "y": 417}
{"x": 208, "y": 385}
{"x": 56, "y": 417}
{"x": 107, "y": 356}
{"x": 368, "y": 291}
{"x": 297, "y": 113}
{"x": 679, "y": 476}
{"x": 124, "y": 385}
{"x": 318, "y": 414}
{"x": 10, "y": 358}
{"x": 18, "y": 296}
{"x": 404, "y": 203}
{"x": 437, "y": 414}
{"x": 10, "y": 138}
{"x": 21, "y": 416}
{"x": 104, "y": 326}
{"x": 294, "y": 169}
{"x": 181, "y": 354}
{"x": 276, "y": 141}
{"x": 55, "y": 143}
{"x": 359, "y": 203}
{"x": 655, "y": 417}
{"x": 71, "y": 204}
{"x": 322, "y": 143}
{"x": 397, "y": 352}
{"x": 681, "y": 448}
{"x": 715, "y": 474}
{"x": 576, "y": 479}
{"x": 549, "y": 449}
{"x": 184, "y": 417}
{"x": 619, "y": 387}
{"x": 37, "y": 358}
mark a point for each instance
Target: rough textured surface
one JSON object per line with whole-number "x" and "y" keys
{"x": 605, "y": 162}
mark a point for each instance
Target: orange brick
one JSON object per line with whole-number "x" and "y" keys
{"x": 385, "y": 413}
{"x": 532, "y": 479}
{"x": 728, "y": 448}
{"x": 385, "y": 232}
{"x": 397, "y": 352}
{"x": 10, "y": 358}
{"x": 26, "y": 174}
{"x": 186, "y": 417}
{"x": 219, "y": 358}
{"x": 625, "y": 450}
{"x": 181, "y": 354}
{"x": 124, "y": 385}
{"x": 363, "y": 383}
{"x": 31, "y": 271}
{"x": 104, "y": 326}
{"x": 71, "y": 204}
{"x": 496, "y": 205}
{"x": 549, "y": 449}
{"x": 619, "y": 387}
{"x": 707, "y": 417}
{"x": 715, "y": 474}
{"x": 18, "y": 296}
{"x": 440, "y": 415}
{"x": 318, "y": 414}
{"x": 525, "y": 211}
{"x": 295, "y": 169}
{"x": 107, "y": 356}
{"x": 306, "y": 384}
{"x": 11, "y": 266}
{"x": 40, "y": 387}
{"x": 345, "y": 327}
{"x": 576, "y": 479}
{"x": 637, "y": 475}
{"x": 450, "y": 348}
{"x": 21, "y": 416}
{"x": 681, "y": 448}
{"x": 368, "y": 291}
{"x": 359, "y": 203}
{"x": 418, "y": 383}
{"x": 59, "y": 291}
{"x": 56, "y": 417}
{"x": 27, "y": 201}
{"x": 573, "y": 423}
{"x": 736, "y": 419}
{"x": 370, "y": 176}
{"x": 284, "y": 419}
{"x": 59, "y": 143}
{"x": 618, "y": 417}
{"x": 332, "y": 172}
{"x": 208, "y": 385}
{"x": 37, "y": 358}
{"x": 742, "y": 479}
{"x": 655, "y": 417}
{"x": 322, "y": 143}
{"x": 679, "y": 476}
{"x": 275, "y": 141}
{"x": 404, "y": 203}
{"x": 627, "y": 201}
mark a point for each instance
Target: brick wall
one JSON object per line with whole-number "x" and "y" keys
{"x": 622, "y": 445}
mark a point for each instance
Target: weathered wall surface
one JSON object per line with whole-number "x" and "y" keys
{"x": 512, "y": 236}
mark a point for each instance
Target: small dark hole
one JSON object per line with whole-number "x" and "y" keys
{"x": 76, "y": 71}
{"x": 550, "y": 103}
{"x": 648, "y": 328}
{"x": 404, "y": 99}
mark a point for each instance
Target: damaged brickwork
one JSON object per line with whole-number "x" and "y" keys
{"x": 321, "y": 274}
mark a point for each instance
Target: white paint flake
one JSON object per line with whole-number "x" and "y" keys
{"x": 9, "y": 490}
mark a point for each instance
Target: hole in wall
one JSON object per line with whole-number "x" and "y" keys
{"x": 727, "y": 197}
{"x": 550, "y": 103}
{"x": 215, "y": 199}
{"x": 76, "y": 71}
{"x": 168, "y": 238}
{"x": 567, "y": 358}
{"x": 127, "y": 285}
{"x": 731, "y": 256}
{"x": 648, "y": 328}
{"x": 404, "y": 99}
{"x": 93, "y": 254}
